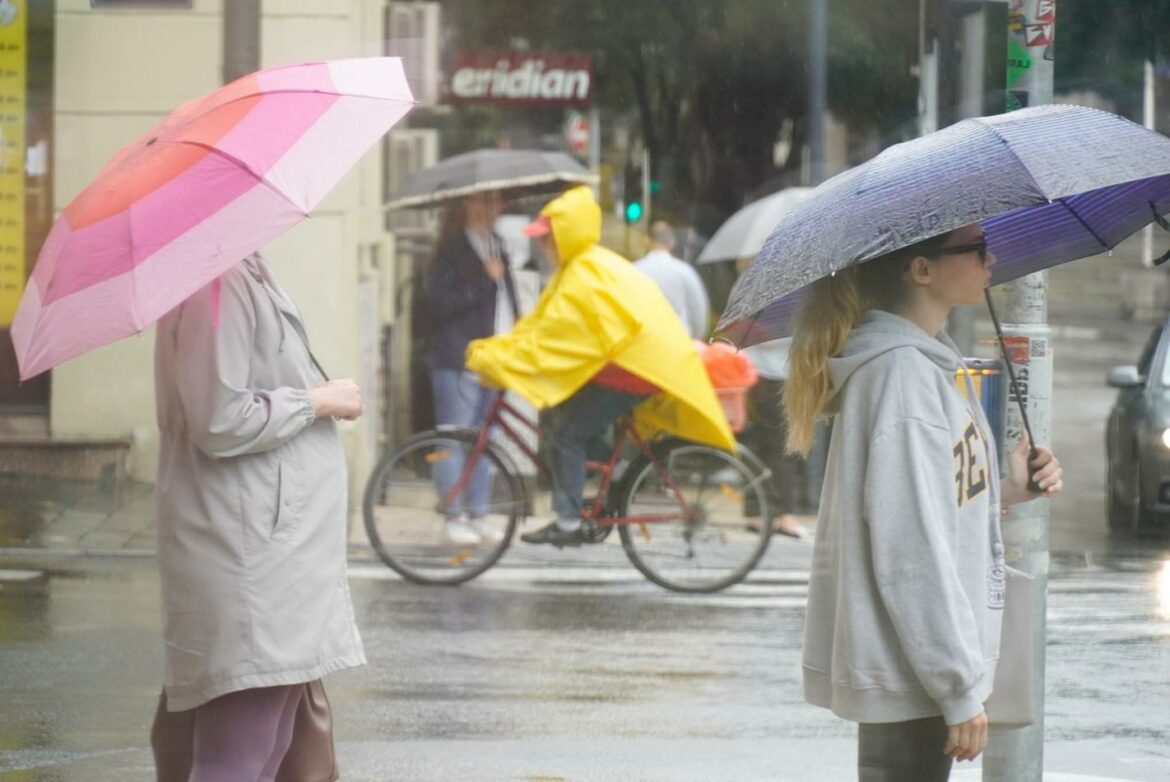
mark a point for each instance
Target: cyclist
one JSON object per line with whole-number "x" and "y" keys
{"x": 601, "y": 341}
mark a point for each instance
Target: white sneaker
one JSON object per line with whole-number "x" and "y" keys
{"x": 486, "y": 532}
{"x": 458, "y": 532}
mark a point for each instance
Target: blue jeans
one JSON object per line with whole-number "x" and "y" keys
{"x": 459, "y": 402}
{"x": 567, "y": 427}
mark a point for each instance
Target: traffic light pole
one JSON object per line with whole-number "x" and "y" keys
{"x": 645, "y": 187}
{"x": 1018, "y": 755}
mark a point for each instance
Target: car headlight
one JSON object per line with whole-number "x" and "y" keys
{"x": 1166, "y": 437}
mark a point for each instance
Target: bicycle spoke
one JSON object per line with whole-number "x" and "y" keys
{"x": 420, "y": 501}
{"x": 710, "y": 545}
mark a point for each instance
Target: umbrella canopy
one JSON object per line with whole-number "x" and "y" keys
{"x": 743, "y": 235}
{"x": 518, "y": 171}
{"x": 1048, "y": 184}
{"x": 214, "y": 181}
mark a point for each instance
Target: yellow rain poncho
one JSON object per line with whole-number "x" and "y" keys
{"x": 599, "y": 309}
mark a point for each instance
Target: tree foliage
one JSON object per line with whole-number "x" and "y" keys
{"x": 712, "y": 83}
{"x": 1102, "y": 46}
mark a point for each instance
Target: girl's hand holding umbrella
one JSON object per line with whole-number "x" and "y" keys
{"x": 1043, "y": 468}
{"x": 337, "y": 398}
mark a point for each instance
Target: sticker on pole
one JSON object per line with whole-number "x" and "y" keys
{"x": 1019, "y": 349}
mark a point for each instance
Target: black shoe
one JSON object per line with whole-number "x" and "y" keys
{"x": 554, "y": 535}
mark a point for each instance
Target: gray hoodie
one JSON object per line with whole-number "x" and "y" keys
{"x": 907, "y": 584}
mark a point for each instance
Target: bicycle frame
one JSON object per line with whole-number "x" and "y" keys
{"x": 498, "y": 415}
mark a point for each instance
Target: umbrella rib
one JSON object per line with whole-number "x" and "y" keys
{"x": 1012, "y": 152}
{"x": 492, "y": 184}
{"x": 1085, "y": 225}
{"x": 247, "y": 168}
{"x": 331, "y": 93}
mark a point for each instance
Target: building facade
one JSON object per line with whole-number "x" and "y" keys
{"x": 99, "y": 73}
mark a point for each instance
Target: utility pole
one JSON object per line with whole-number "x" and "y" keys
{"x": 1018, "y": 755}
{"x": 241, "y": 38}
{"x": 962, "y": 57}
{"x": 818, "y": 104}
{"x": 1149, "y": 120}
{"x": 927, "y": 70}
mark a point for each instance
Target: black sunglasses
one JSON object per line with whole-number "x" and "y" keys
{"x": 958, "y": 249}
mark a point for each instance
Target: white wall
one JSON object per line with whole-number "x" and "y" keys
{"x": 119, "y": 72}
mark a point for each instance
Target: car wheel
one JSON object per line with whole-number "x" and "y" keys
{"x": 1137, "y": 513}
{"x": 1126, "y": 513}
{"x": 1117, "y": 513}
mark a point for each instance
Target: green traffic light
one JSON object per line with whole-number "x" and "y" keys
{"x": 633, "y": 211}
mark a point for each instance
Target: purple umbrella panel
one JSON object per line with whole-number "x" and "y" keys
{"x": 1049, "y": 184}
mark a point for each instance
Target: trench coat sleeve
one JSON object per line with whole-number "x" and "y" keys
{"x": 224, "y": 416}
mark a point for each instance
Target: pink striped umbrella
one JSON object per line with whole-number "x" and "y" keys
{"x": 216, "y": 180}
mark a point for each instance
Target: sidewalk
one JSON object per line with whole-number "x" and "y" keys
{"x": 73, "y": 518}
{"x": 80, "y": 518}
{"x": 76, "y": 517}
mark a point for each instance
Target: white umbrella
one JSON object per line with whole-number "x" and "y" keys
{"x": 743, "y": 235}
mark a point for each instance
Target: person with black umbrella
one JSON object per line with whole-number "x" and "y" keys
{"x": 470, "y": 295}
{"x": 907, "y": 584}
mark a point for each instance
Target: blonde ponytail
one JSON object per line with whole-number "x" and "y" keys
{"x": 831, "y": 310}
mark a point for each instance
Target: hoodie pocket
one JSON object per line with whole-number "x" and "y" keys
{"x": 288, "y": 502}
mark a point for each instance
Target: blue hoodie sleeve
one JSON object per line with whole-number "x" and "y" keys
{"x": 910, "y": 507}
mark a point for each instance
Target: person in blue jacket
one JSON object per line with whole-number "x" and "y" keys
{"x": 470, "y": 295}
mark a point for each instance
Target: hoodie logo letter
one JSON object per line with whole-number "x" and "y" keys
{"x": 970, "y": 476}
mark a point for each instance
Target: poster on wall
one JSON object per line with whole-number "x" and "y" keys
{"x": 13, "y": 86}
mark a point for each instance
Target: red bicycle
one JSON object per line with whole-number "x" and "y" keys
{"x": 690, "y": 517}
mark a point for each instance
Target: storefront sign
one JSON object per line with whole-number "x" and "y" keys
{"x": 13, "y": 58}
{"x": 522, "y": 78}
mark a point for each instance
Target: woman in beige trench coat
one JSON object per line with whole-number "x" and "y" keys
{"x": 251, "y": 521}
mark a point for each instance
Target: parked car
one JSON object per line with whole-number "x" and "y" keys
{"x": 1137, "y": 439}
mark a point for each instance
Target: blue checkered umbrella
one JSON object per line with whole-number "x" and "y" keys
{"x": 1048, "y": 184}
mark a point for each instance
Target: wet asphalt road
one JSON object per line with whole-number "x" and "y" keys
{"x": 549, "y": 673}
{"x": 533, "y": 675}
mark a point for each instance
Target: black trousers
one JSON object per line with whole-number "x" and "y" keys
{"x": 903, "y": 751}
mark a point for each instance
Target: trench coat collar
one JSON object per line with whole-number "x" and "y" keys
{"x": 260, "y": 271}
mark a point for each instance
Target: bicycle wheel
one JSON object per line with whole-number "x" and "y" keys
{"x": 408, "y": 528}
{"x": 704, "y": 541}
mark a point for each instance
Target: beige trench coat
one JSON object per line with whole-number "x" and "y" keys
{"x": 251, "y": 498}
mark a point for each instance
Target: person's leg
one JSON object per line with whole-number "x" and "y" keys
{"x": 172, "y": 740}
{"x": 903, "y": 751}
{"x": 243, "y": 736}
{"x": 479, "y": 487}
{"x": 785, "y": 468}
{"x": 450, "y": 411}
{"x": 568, "y": 427}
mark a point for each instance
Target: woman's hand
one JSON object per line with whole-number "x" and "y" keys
{"x": 337, "y": 399}
{"x": 967, "y": 739}
{"x": 1045, "y": 470}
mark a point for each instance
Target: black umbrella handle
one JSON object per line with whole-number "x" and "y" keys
{"x": 1033, "y": 452}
